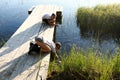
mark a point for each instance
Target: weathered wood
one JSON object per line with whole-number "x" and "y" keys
{"x": 15, "y": 63}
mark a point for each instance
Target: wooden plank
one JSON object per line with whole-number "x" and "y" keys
{"x": 15, "y": 64}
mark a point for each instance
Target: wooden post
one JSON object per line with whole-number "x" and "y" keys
{"x": 58, "y": 21}
{"x": 54, "y": 35}
{"x": 59, "y": 17}
{"x": 31, "y": 9}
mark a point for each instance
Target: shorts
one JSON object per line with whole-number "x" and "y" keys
{"x": 46, "y": 21}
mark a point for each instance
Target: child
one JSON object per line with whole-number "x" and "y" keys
{"x": 49, "y": 19}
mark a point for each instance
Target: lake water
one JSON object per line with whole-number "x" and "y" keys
{"x": 14, "y": 12}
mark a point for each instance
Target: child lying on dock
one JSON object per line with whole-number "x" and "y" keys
{"x": 49, "y": 19}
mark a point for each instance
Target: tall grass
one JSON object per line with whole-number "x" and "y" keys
{"x": 100, "y": 20}
{"x": 88, "y": 65}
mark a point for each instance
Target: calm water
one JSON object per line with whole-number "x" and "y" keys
{"x": 14, "y": 12}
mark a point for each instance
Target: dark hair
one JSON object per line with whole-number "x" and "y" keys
{"x": 58, "y": 45}
{"x": 53, "y": 14}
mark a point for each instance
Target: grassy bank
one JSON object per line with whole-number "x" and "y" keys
{"x": 81, "y": 65}
{"x": 100, "y": 20}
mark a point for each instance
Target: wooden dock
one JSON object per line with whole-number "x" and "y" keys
{"x": 15, "y": 63}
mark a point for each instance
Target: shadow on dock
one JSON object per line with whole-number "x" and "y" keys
{"x": 12, "y": 59}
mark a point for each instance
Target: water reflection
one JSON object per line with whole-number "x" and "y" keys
{"x": 14, "y": 12}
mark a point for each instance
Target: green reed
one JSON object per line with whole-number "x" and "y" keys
{"x": 102, "y": 20}
{"x": 90, "y": 65}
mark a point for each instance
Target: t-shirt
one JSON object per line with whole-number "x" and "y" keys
{"x": 48, "y": 42}
{"x": 51, "y": 44}
{"x": 46, "y": 16}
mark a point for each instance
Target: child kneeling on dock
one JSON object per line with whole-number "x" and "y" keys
{"x": 47, "y": 46}
{"x": 49, "y": 19}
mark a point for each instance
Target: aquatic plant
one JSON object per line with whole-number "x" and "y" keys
{"x": 100, "y": 21}
{"x": 86, "y": 65}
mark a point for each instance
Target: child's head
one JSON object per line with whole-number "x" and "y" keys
{"x": 58, "y": 45}
{"x": 53, "y": 16}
